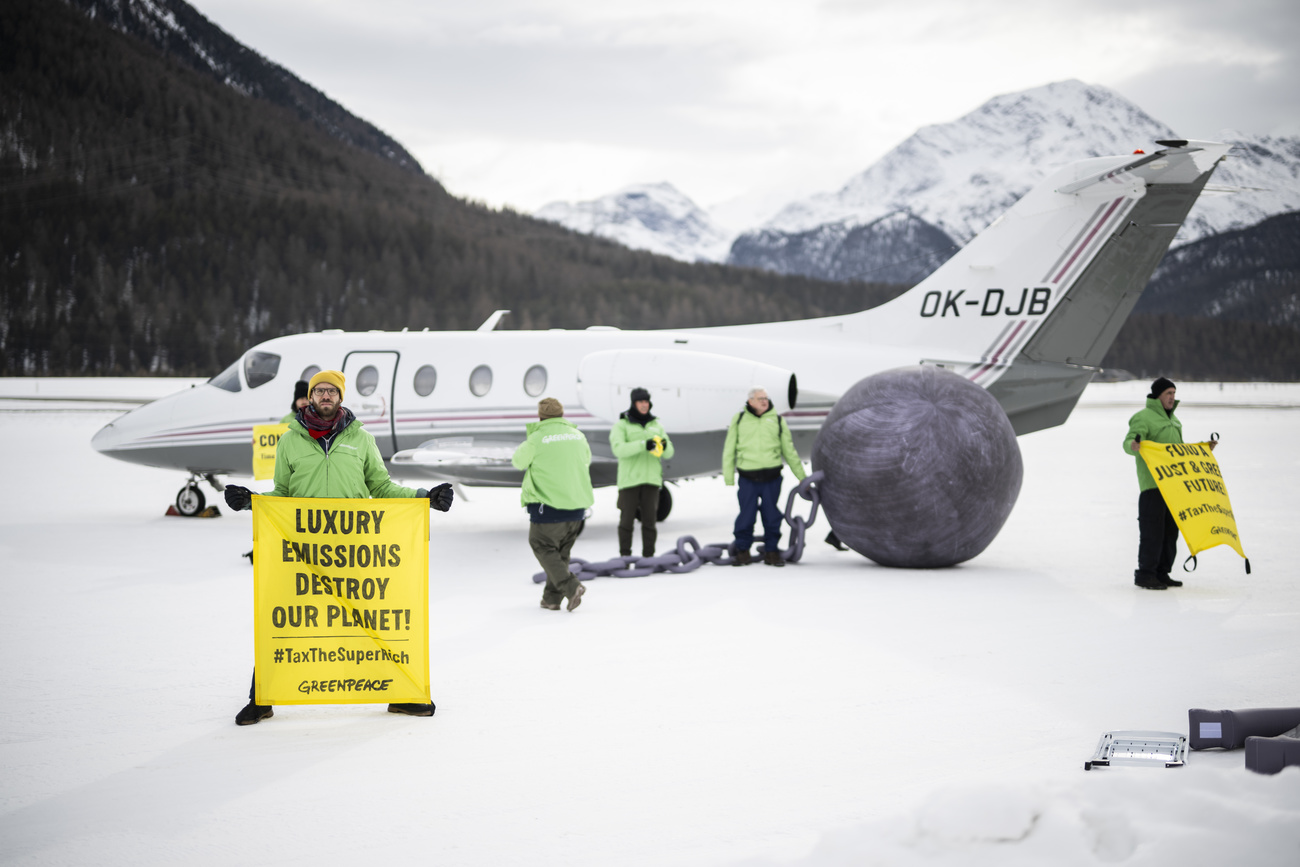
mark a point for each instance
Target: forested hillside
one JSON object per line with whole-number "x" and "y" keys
{"x": 156, "y": 221}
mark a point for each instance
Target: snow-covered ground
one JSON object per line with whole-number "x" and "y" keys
{"x": 833, "y": 712}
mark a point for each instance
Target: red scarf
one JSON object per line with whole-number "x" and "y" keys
{"x": 319, "y": 427}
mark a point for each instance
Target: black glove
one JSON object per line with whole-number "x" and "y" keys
{"x": 650, "y": 444}
{"x": 238, "y": 498}
{"x": 440, "y": 497}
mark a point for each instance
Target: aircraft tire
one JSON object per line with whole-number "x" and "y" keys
{"x": 665, "y": 505}
{"x": 190, "y": 501}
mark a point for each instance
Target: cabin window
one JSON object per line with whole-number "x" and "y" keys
{"x": 480, "y": 381}
{"x": 426, "y": 380}
{"x": 309, "y": 371}
{"x": 260, "y": 368}
{"x": 227, "y": 379}
{"x": 535, "y": 380}
{"x": 367, "y": 380}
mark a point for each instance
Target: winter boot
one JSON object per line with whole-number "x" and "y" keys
{"x": 576, "y": 600}
{"x": 741, "y": 558}
{"x": 252, "y": 714}
{"x": 550, "y": 606}
{"x": 1148, "y": 581}
{"x": 412, "y": 709}
{"x": 773, "y": 558}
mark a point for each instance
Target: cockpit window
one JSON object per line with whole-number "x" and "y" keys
{"x": 227, "y": 379}
{"x": 260, "y": 368}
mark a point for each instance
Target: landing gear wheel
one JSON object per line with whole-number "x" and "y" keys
{"x": 190, "y": 501}
{"x": 665, "y": 504}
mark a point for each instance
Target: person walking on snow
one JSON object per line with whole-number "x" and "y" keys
{"x": 638, "y": 440}
{"x": 556, "y": 460}
{"x": 757, "y": 441}
{"x": 327, "y": 452}
{"x": 1158, "y": 531}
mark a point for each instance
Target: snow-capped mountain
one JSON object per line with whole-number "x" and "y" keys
{"x": 896, "y": 248}
{"x": 654, "y": 217}
{"x": 904, "y": 215}
{"x": 960, "y": 176}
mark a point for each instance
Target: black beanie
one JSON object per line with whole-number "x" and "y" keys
{"x": 640, "y": 394}
{"x": 1160, "y": 386}
{"x": 299, "y": 389}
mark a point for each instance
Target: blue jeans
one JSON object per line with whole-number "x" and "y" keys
{"x": 753, "y": 497}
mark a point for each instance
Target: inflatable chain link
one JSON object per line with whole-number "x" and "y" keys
{"x": 690, "y": 555}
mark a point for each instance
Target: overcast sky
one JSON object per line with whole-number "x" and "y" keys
{"x": 523, "y": 102}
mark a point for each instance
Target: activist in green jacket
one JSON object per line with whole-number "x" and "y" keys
{"x": 327, "y": 452}
{"x": 1157, "y": 529}
{"x": 758, "y": 442}
{"x": 638, "y": 465}
{"x": 352, "y": 467}
{"x": 1151, "y": 424}
{"x": 556, "y": 461}
{"x": 638, "y": 440}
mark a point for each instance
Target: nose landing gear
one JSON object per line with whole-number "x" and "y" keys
{"x": 190, "y": 500}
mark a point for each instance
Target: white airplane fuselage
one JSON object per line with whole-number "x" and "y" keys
{"x": 208, "y": 429}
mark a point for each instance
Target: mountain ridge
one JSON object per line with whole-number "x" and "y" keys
{"x": 181, "y": 32}
{"x": 959, "y": 176}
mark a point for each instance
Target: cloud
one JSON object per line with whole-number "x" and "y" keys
{"x": 716, "y": 97}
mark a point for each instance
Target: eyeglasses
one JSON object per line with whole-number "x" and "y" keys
{"x": 325, "y": 391}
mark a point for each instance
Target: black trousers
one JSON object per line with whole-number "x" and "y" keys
{"x": 1159, "y": 537}
{"x": 646, "y": 499}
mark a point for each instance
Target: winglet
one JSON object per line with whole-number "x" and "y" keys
{"x": 491, "y": 322}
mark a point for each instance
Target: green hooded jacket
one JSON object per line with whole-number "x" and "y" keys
{"x": 556, "y": 461}
{"x": 636, "y": 465}
{"x": 353, "y": 467}
{"x": 758, "y": 442}
{"x": 1156, "y": 425}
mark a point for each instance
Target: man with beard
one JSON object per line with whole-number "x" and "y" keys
{"x": 328, "y": 453}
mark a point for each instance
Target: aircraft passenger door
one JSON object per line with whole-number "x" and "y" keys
{"x": 370, "y": 389}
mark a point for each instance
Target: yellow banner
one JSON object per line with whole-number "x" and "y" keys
{"x": 1192, "y": 486}
{"x": 265, "y": 437}
{"x": 341, "y": 600}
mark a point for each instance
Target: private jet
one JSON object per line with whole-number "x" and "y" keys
{"x": 1027, "y": 310}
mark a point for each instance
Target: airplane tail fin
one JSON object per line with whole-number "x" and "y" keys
{"x": 1030, "y": 306}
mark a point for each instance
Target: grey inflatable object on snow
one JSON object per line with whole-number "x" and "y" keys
{"x": 922, "y": 468}
{"x": 1271, "y": 735}
{"x": 1271, "y": 755}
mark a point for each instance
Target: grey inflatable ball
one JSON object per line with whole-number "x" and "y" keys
{"x": 922, "y": 468}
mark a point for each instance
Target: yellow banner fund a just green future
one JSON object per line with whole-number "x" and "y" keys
{"x": 341, "y": 600}
{"x": 1192, "y": 485}
{"x": 265, "y": 438}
